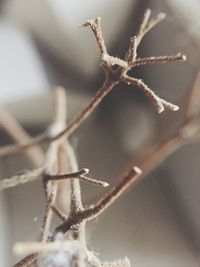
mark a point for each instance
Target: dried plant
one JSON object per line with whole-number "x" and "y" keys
{"x": 60, "y": 170}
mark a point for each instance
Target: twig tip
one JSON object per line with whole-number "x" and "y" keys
{"x": 184, "y": 57}
{"x": 175, "y": 108}
{"x": 105, "y": 184}
{"x": 98, "y": 19}
{"x": 137, "y": 170}
{"x": 148, "y": 12}
{"x": 86, "y": 23}
{"x": 86, "y": 170}
{"x": 161, "y": 109}
{"x": 161, "y": 16}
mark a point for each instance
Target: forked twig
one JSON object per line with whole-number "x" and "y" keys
{"x": 147, "y": 24}
{"x": 107, "y": 200}
{"x": 113, "y": 77}
{"x": 156, "y": 100}
{"x": 81, "y": 216}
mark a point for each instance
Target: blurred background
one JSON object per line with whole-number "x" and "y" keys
{"x": 158, "y": 223}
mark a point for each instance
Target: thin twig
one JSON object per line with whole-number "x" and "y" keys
{"x": 143, "y": 25}
{"x": 18, "y": 134}
{"x": 132, "y": 52}
{"x": 50, "y": 190}
{"x": 46, "y": 221}
{"x": 27, "y": 261}
{"x": 159, "y": 60}
{"x": 78, "y": 232}
{"x": 156, "y": 100}
{"x": 108, "y": 199}
{"x": 147, "y": 24}
{"x": 25, "y": 177}
{"x": 95, "y": 26}
{"x": 54, "y": 158}
{"x": 81, "y": 174}
{"x": 153, "y": 22}
{"x": 59, "y": 213}
{"x": 15, "y": 148}
{"x": 57, "y": 245}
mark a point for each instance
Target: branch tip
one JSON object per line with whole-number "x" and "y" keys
{"x": 146, "y": 16}
{"x": 105, "y": 184}
{"x": 161, "y": 109}
{"x": 161, "y": 16}
{"x": 132, "y": 52}
{"x": 85, "y": 170}
{"x": 98, "y": 20}
{"x": 175, "y": 108}
{"x": 137, "y": 170}
{"x": 184, "y": 57}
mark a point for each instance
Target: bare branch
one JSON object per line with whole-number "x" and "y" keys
{"x": 81, "y": 174}
{"x": 27, "y": 176}
{"x": 143, "y": 25}
{"x": 59, "y": 213}
{"x": 47, "y": 219}
{"x": 75, "y": 123}
{"x": 17, "y": 133}
{"x": 95, "y": 26}
{"x": 94, "y": 181}
{"x": 51, "y": 177}
{"x": 26, "y": 261}
{"x": 159, "y": 60}
{"x": 78, "y": 232}
{"x": 146, "y": 24}
{"x": 190, "y": 130}
{"x": 15, "y": 148}
{"x": 112, "y": 61}
{"x": 159, "y": 103}
{"x": 60, "y": 150}
{"x": 103, "y": 91}
{"x": 107, "y": 200}
{"x": 132, "y": 52}
{"x": 114, "y": 194}
{"x": 93, "y": 260}
{"x": 169, "y": 105}
{"x": 57, "y": 245}
{"x": 54, "y": 158}
{"x": 117, "y": 263}
{"x": 154, "y": 21}
{"x": 113, "y": 77}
